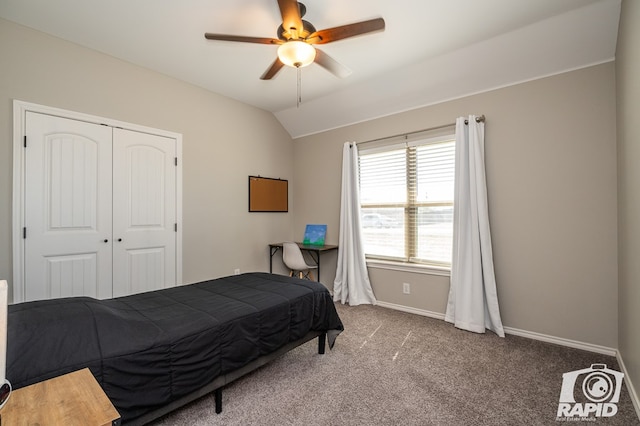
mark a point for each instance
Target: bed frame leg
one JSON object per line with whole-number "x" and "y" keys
{"x": 321, "y": 339}
{"x": 218, "y": 396}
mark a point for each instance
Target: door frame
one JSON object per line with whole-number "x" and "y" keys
{"x": 20, "y": 109}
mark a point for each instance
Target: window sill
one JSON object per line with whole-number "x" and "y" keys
{"x": 409, "y": 267}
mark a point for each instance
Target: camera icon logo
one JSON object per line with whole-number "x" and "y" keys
{"x": 597, "y": 389}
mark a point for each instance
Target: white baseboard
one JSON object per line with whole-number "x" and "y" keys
{"x": 411, "y": 310}
{"x": 604, "y": 350}
{"x": 516, "y": 332}
{"x": 632, "y": 391}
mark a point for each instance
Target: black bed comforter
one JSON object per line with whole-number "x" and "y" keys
{"x": 149, "y": 349}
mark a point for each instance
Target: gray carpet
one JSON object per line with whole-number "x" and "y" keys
{"x": 394, "y": 368}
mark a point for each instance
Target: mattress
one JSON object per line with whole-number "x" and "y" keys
{"x": 149, "y": 349}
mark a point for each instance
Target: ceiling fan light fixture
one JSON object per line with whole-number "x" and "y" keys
{"x": 296, "y": 53}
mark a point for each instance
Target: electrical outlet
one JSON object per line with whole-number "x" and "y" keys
{"x": 236, "y": 272}
{"x": 406, "y": 288}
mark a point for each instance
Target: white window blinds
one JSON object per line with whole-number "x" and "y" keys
{"x": 407, "y": 201}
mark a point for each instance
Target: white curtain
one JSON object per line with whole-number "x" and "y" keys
{"x": 352, "y": 283}
{"x": 473, "y": 301}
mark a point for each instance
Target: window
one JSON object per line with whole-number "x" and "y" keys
{"x": 406, "y": 196}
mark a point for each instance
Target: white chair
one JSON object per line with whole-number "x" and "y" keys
{"x": 292, "y": 257}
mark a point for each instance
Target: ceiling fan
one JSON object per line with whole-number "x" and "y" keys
{"x": 296, "y": 38}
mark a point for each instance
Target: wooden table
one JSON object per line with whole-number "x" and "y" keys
{"x": 314, "y": 251}
{"x": 72, "y": 399}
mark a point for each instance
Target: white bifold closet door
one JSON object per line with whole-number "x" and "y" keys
{"x": 144, "y": 206}
{"x": 100, "y": 210}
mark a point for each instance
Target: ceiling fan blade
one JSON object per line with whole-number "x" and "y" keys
{"x": 346, "y": 31}
{"x": 243, "y": 39}
{"x": 273, "y": 70}
{"x": 291, "y": 19}
{"x": 331, "y": 65}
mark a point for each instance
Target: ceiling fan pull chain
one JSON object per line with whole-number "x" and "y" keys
{"x": 299, "y": 100}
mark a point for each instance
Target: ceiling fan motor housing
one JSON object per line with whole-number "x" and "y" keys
{"x": 307, "y": 29}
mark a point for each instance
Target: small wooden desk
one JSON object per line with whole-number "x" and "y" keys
{"x": 313, "y": 250}
{"x": 72, "y": 399}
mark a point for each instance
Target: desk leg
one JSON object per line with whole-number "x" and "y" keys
{"x": 272, "y": 251}
{"x": 315, "y": 255}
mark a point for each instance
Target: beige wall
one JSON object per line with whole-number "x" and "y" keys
{"x": 628, "y": 98}
{"x": 224, "y": 141}
{"x": 551, "y": 171}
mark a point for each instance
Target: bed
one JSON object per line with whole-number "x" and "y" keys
{"x": 153, "y": 352}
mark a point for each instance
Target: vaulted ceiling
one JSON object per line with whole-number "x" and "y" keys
{"x": 429, "y": 52}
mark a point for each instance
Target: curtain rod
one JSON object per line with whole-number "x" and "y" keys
{"x": 479, "y": 119}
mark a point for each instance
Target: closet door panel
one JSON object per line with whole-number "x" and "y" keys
{"x": 144, "y": 206}
{"x": 72, "y": 275}
{"x": 146, "y": 269}
{"x": 67, "y": 208}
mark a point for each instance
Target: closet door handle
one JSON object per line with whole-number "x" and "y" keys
{"x": 106, "y": 241}
{"x": 119, "y": 239}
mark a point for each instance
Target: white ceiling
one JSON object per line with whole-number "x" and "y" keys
{"x": 430, "y": 51}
